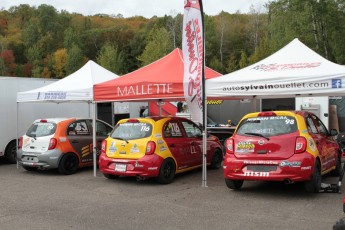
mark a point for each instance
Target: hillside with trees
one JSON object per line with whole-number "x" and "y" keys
{"x": 46, "y": 43}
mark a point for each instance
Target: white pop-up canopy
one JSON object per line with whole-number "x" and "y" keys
{"x": 294, "y": 70}
{"x": 76, "y": 87}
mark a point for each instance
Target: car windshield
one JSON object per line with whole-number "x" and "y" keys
{"x": 132, "y": 130}
{"x": 41, "y": 129}
{"x": 268, "y": 126}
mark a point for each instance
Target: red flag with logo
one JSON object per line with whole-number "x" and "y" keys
{"x": 193, "y": 55}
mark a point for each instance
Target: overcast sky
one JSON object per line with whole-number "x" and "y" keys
{"x": 146, "y": 8}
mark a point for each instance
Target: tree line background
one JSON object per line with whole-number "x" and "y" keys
{"x": 46, "y": 43}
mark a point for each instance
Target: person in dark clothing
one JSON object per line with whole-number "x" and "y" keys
{"x": 180, "y": 107}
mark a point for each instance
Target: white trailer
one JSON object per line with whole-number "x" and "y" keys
{"x": 15, "y": 118}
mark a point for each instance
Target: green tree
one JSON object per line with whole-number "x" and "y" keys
{"x": 3, "y": 68}
{"x": 75, "y": 59}
{"x": 30, "y": 33}
{"x": 70, "y": 38}
{"x": 110, "y": 58}
{"x": 158, "y": 46}
{"x": 244, "y": 60}
{"x": 35, "y": 58}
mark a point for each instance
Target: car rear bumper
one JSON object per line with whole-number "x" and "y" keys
{"x": 299, "y": 167}
{"x": 147, "y": 166}
{"x": 47, "y": 160}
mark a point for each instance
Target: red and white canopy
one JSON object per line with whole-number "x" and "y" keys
{"x": 162, "y": 79}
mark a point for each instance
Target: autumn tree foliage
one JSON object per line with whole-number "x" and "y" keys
{"x": 7, "y": 62}
{"x": 40, "y": 41}
{"x": 59, "y": 63}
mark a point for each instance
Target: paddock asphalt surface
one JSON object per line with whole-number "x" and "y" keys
{"x": 47, "y": 200}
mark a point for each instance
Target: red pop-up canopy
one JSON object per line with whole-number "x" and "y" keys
{"x": 162, "y": 79}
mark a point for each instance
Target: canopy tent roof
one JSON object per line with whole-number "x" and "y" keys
{"x": 162, "y": 79}
{"x": 76, "y": 87}
{"x": 294, "y": 70}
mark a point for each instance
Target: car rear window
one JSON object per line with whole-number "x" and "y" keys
{"x": 132, "y": 130}
{"x": 268, "y": 126}
{"x": 41, "y": 129}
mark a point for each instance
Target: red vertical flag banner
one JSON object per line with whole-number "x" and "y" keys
{"x": 193, "y": 56}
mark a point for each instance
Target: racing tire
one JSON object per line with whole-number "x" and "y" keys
{"x": 110, "y": 176}
{"x": 68, "y": 164}
{"x": 314, "y": 184}
{"x": 337, "y": 170}
{"x": 166, "y": 172}
{"x": 234, "y": 184}
{"x": 11, "y": 153}
{"x": 339, "y": 225}
{"x": 30, "y": 169}
{"x": 217, "y": 159}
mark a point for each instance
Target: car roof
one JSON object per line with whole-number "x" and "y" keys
{"x": 59, "y": 119}
{"x": 280, "y": 113}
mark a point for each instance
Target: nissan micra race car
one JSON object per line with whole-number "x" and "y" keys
{"x": 63, "y": 143}
{"x": 284, "y": 146}
{"x": 156, "y": 147}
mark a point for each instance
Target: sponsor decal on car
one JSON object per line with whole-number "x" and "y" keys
{"x": 158, "y": 135}
{"x": 86, "y": 150}
{"x": 160, "y": 142}
{"x": 162, "y": 148}
{"x": 306, "y": 168}
{"x": 137, "y": 165}
{"x": 134, "y": 149}
{"x": 152, "y": 168}
{"x": 245, "y": 147}
{"x": 311, "y": 144}
{"x": 261, "y": 142}
{"x": 260, "y": 162}
{"x": 290, "y": 164}
{"x": 258, "y": 174}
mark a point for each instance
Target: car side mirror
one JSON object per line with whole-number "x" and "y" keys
{"x": 333, "y": 132}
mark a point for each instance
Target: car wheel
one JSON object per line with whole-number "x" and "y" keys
{"x": 217, "y": 159}
{"x": 166, "y": 172}
{"x": 234, "y": 184}
{"x": 314, "y": 184}
{"x": 110, "y": 176}
{"x": 30, "y": 168}
{"x": 339, "y": 225}
{"x": 11, "y": 153}
{"x": 68, "y": 164}
{"x": 337, "y": 170}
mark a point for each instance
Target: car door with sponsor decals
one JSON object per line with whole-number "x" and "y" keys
{"x": 177, "y": 143}
{"x": 79, "y": 135}
{"x": 326, "y": 145}
{"x": 194, "y": 138}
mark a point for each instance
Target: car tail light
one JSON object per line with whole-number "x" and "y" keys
{"x": 150, "y": 148}
{"x": 229, "y": 146}
{"x": 52, "y": 143}
{"x": 104, "y": 146}
{"x": 267, "y": 114}
{"x": 301, "y": 145}
{"x": 20, "y": 143}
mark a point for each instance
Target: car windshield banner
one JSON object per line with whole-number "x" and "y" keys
{"x": 193, "y": 53}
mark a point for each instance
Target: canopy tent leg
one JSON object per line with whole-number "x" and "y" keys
{"x": 204, "y": 145}
{"x": 94, "y": 146}
{"x": 17, "y": 135}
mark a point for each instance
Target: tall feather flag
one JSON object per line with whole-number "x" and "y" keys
{"x": 193, "y": 56}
